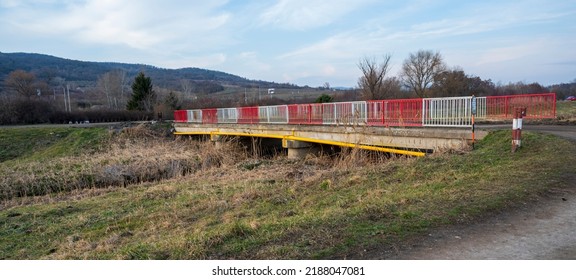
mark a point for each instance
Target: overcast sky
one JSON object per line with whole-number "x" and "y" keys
{"x": 306, "y": 42}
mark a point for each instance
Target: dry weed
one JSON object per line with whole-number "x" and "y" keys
{"x": 138, "y": 154}
{"x": 127, "y": 160}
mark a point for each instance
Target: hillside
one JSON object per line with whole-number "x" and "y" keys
{"x": 48, "y": 67}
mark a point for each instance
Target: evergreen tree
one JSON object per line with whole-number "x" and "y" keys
{"x": 324, "y": 98}
{"x": 172, "y": 101}
{"x": 143, "y": 95}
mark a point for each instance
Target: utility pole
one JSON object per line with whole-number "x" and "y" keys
{"x": 68, "y": 94}
{"x": 65, "y": 100}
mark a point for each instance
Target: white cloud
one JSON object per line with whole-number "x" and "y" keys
{"x": 305, "y": 14}
{"x": 328, "y": 47}
{"x": 9, "y": 3}
{"x": 503, "y": 54}
{"x": 25, "y": 3}
{"x": 247, "y": 55}
{"x": 376, "y": 37}
{"x": 133, "y": 23}
{"x": 328, "y": 70}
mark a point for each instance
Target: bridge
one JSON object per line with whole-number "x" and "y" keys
{"x": 402, "y": 126}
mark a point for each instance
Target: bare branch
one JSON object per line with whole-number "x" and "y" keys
{"x": 419, "y": 70}
{"x": 373, "y": 75}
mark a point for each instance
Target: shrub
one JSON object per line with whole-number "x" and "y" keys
{"x": 324, "y": 98}
{"x": 95, "y": 116}
{"x": 24, "y": 111}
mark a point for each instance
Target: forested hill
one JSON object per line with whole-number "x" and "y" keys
{"x": 48, "y": 67}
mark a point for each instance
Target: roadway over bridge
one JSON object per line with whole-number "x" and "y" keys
{"x": 402, "y": 126}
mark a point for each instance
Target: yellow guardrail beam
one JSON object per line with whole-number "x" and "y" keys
{"x": 311, "y": 140}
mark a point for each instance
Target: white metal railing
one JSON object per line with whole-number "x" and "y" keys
{"x": 227, "y": 115}
{"x": 345, "y": 113}
{"x": 194, "y": 116}
{"x": 481, "y": 106}
{"x": 273, "y": 114}
{"x": 447, "y": 111}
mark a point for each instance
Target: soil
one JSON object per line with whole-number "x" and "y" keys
{"x": 540, "y": 230}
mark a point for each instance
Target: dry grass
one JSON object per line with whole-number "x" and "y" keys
{"x": 134, "y": 156}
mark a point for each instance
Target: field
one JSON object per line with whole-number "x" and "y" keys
{"x": 135, "y": 193}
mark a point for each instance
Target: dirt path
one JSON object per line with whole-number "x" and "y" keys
{"x": 543, "y": 230}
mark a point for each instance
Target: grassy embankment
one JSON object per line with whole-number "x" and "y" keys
{"x": 566, "y": 112}
{"x": 182, "y": 199}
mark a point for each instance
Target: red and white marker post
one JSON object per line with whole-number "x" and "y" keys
{"x": 517, "y": 128}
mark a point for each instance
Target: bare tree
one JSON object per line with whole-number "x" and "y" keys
{"x": 112, "y": 84}
{"x": 24, "y": 83}
{"x": 106, "y": 87}
{"x": 371, "y": 83}
{"x": 393, "y": 87}
{"x": 419, "y": 70}
{"x": 187, "y": 87}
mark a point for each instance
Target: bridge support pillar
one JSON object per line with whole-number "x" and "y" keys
{"x": 297, "y": 149}
{"x": 217, "y": 140}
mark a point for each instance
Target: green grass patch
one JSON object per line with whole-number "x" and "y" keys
{"x": 566, "y": 109}
{"x": 43, "y": 143}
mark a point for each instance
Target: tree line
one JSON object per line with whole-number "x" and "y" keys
{"x": 25, "y": 98}
{"x": 28, "y": 105}
{"x": 425, "y": 74}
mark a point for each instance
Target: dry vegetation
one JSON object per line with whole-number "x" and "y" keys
{"x": 140, "y": 195}
{"x": 136, "y": 155}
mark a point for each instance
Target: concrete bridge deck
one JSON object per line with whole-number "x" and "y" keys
{"x": 386, "y": 139}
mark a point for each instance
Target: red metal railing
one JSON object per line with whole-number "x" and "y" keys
{"x": 539, "y": 106}
{"x": 395, "y": 112}
{"x": 305, "y": 114}
{"x": 248, "y": 115}
{"x": 442, "y": 112}
{"x": 209, "y": 115}
{"x": 181, "y": 116}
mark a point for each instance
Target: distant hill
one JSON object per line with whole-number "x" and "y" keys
{"x": 87, "y": 73}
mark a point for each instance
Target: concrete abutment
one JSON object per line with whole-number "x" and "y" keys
{"x": 299, "y": 149}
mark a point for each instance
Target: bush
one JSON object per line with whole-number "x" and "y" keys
{"x": 24, "y": 111}
{"x": 17, "y": 110}
{"x": 95, "y": 116}
{"x": 324, "y": 98}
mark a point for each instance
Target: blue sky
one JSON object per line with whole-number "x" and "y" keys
{"x": 306, "y": 42}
